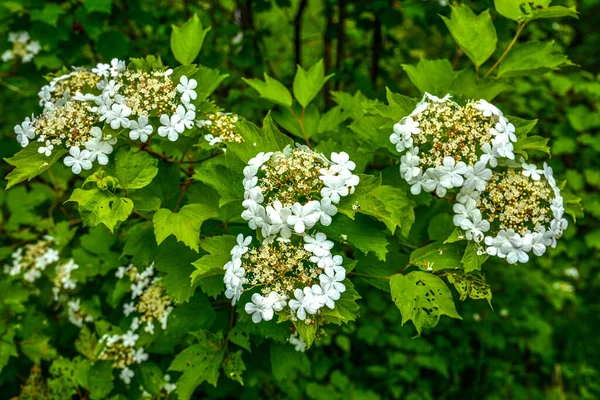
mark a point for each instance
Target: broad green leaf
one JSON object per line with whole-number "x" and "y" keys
{"x": 522, "y": 11}
{"x": 472, "y": 259}
{"x": 103, "y": 6}
{"x": 175, "y": 260}
{"x": 525, "y": 142}
{"x": 287, "y": 363}
{"x": 437, "y": 256}
{"x": 432, "y": 76}
{"x": 48, "y": 15}
{"x": 187, "y": 40}
{"x": 38, "y": 348}
{"x": 423, "y": 298}
{"x": 475, "y": 34}
{"x": 133, "y": 169}
{"x": 184, "y": 225}
{"x": 257, "y": 140}
{"x": 192, "y": 316}
{"x": 146, "y": 64}
{"x": 307, "y": 84}
{"x": 98, "y": 207}
{"x": 29, "y": 163}
{"x": 225, "y": 176}
{"x": 532, "y": 58}
{"x": 218, "y": 249}
{"x": 272, "y": 90}
{"x": 346, "y": 309}
{"x": 363, "y": 233}
{"x": 308, "y": 333}
{"x": 398, "y": 107}
{"x": 140, "y": 243}
{"x": 151, "y": 377}
{"x": 101, "y": 180}
{"x": 208, "y": 80}
{"x": 198, "y": 363}
{"x": 472, "y": 286}
{"x": 100, "y": 380}
{"x": 8, "y": 348}
{"x": 468, "y": 86}
{"x": 234, "y": 367}
{"x": 388, "y": 204}
{"x": 372, "y": 133}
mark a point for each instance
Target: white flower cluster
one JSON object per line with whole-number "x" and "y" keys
{"x": 76, "y": 315}
{"x": 517, "y": 213}
{"x": 446, "y": 146}
{"x": 32, "y": 259}
{"x": 121, "y": 351}
{"x": 78, "y": 103}
{"x": 63, "y": 280}
{"x": 298, "y": 343}
{"x": 149, "y": 302}
{"x": 22, "y": 47}
{"x": 291, "y": 191}
{"x": 287, "y": 275}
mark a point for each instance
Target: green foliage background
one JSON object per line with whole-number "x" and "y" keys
{"x": 536, "y": 342}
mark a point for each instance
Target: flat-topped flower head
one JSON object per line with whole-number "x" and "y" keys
{"x": 32, "y": 259}
{"x": 121, "y": 351}
{"x": 519, "y": 210}
{"x": 149, "y": 300}
{"x": 23, "y": 48}
{"x": 221, "y": 128}
{"x": 444, "y": 143}
{"x": 80, "y": 80}
{"x": 295, "y": 278}
{"x": 293, "y": 190}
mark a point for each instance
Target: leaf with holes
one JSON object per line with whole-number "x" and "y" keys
{"x": 471, "y": 285}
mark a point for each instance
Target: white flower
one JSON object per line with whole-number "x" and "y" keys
{"x": 117, "y": 116}
{"x": 78, "y": 160}
{"x": 234, "y": 275}
{"x": 242, "y": 246}
{"x": 254, "y": 214}
{"x": 503, "y": 148}
{"x": 298, "y": 343}
{"x": 342, "y": 164}
{"x": 318, "y": 245}
{"x": 233, "y": 293}
{"x": 212, "y": 140}
{"x": 260, "y": 159}
{"x": 140, "y": 129}
{"x": 98, "y": 150}
{"x": 435, "y": 98}
{"x": 451, "y": 173}
{"x": 487, "y": 109}
{"x": 276, "y": 301}
{"x": 477, "y": 176}
{"x": 531, "y": 170}
{"x": 277, "y": 217}
{"x": 489, "y": 155}
{"x": 409, "y": 164}
{"x": 130, "y": 338}
{"x": 304, "y": 216}
{"x": 126, "y": 375}
{"x": 171, "y": 127}
{"x": 140, "y": 356}
{"x": 433, "y": 181}
{"x": 505, "y": 127}
{"x": 46, "y": 149}
{"x": 25, "y": 132}
{"x": 116, "y": 66}
{"x": 101, "y": 69}
{"x": 186, "y": 88}
{"x": 475, "y": 226}
{"x": 128, "y": 308}
{"x": 303, "y": 303}
{"x": 186, "y": 116}
{"x": 403, "y": 131}
{"x": 334, "y": 276}
{"x": 463, "y": 211}
{"x": 326, "y": 210}
{"x": 260, "y": 308}
{"x": 334, "y": 188}
{"x": 111, "y": 88}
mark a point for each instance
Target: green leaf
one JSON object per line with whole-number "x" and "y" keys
{"x": 471, "y": 285}
{"x": 467, "y": 85}
{"x": 100, "y": 380}
{"x": 388, "y": 204}
{"x": 272, "y": 90}
{"x": 471, "y": 259}
{"x": 423, "y": 298}
{"x": 307, "y": 84}
{"x": 555, "y": 12}
{"x": 103, "y": 6}
{"x": 208, "y": 80}
{"x": 225, "y": 176}
{"x": 269, "y": 138}
{"x": 175, "y": 260}
{"x": 218, "y": 248}
{"x": 184, "y": 225}
{"x": 287, "y": 363}
{"x": 133, "y": 169}
{"x": 525, "y": 142}
{"x": 198, "y": 363}
{"x": 520, "y": 10}
{"x": 151, "y": 377}
{"x": 532, "y": 58}
{"x": 437, "y": 256}
{"x": 362, "y": 233}
{"x": 308, "y": 333}
{"x": 29, "y": 163}
{"x": 140, "y": 243}
{"x": 346, "y": 309}
{"x": 233, "y": 366}
{"x": 98, "y": 207}
{"x": 48, "y": 15}
{"x": 187, "y": 40}
{"x": 433, "y": 76}
{"x": 38, "y": 348}
{"x": 399, "y": 106}
{"x": 475, "y": 34}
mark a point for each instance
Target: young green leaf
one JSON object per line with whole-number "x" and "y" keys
{"x": 433, "y": 76}
{"x": 184, "y": 225}
{"x": 423, "y": 298}
{"x": 437, "y": 256}
{"x": 472, "y": 260}
{"x": 307, "y": 84}
{"x": 475, "y": 34}
{"x": 519, "y": 10}
{"x": 187, "y": 40}
{"x": 272, "y": 90}
{"x": 29, "y": 163}
{"x": 532, "y": 58}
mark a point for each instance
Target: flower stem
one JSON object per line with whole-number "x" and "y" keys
{"x": 369, "y": 275}
{"x": 510, "y": 45}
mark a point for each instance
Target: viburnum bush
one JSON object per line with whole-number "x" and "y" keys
{"x": 182, "y": 240}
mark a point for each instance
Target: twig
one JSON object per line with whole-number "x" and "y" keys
{"x": 511, "y": 44}
{"x": 300, "y": 120}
